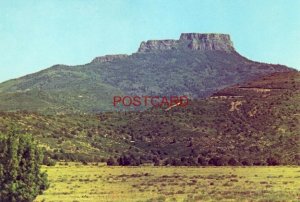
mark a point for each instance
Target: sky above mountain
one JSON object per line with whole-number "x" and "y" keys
{"x": 37, "y": 34}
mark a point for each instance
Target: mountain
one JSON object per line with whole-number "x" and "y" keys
{"x": 252, "y": 123}
{"x": 196, "y": 65}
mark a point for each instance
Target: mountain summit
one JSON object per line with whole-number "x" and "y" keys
{"x": 197, "y": 65}
{"x": 193, "y": 41}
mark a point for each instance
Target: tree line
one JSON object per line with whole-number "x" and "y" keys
{"x": 132, "y": 160}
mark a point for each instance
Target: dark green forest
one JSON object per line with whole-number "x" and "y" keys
{"x": 254, "y": 123}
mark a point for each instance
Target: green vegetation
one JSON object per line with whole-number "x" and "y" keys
{"x": 91, "y": 87}
{"x": 20, "y": 177}
{"x": 249, "y": 124}
{"x": 77, "y": 182}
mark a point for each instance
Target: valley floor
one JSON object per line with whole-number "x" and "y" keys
{"x": 76, "y": 182}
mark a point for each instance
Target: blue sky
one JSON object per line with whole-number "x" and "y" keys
{"x": 37, "y": 34}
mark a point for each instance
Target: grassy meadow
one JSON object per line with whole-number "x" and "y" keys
{"x": 76, "y": 182}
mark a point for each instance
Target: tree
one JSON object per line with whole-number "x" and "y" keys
{"x": 20, "y": 176}
{"x": 156, "y": 161}
{"x": 125, "y": 160}
{"x": 272, "y": 161}
{"x": 233, "y": 162}
{"x": 111, "y": 162}
{"x": 218, "y": 161}
{"x": 202, "y": 161}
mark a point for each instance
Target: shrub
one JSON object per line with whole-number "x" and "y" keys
{"x": 272, "y": 161}
{"x": 20, "y": 176}
{"x": 218, "y": 161}
{"x": 233, "y": 162}
{"x": 202, "y": 161}
{"x": 47, "y": 160}
{"x": 111, "y": 162}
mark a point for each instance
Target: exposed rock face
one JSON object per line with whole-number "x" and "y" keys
{"x": 108, "y": 58}
{"x": 187, "y": 41}
{"x": 208, "y": 41}
{"x": 158, "y": 45}
{"x": 193, "y": 41}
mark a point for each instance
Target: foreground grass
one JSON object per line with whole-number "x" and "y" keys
{"x": 76, "y": 182}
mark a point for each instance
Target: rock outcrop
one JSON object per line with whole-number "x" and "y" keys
{"x": 108, "y": 58}
{"x": 193, "y": 41}
{"x": 158, "y": 45}
{"x": 208, "y": 41}
{"x": 187, "y": 41}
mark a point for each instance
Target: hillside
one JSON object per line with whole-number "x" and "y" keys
{"x": 256, "y": 122}
{"x": 196, "y": 65}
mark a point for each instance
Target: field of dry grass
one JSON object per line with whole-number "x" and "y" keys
{"x": 76, "y": 182}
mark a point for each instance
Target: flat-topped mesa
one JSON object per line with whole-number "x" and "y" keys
{"x": 220, "y": 42}
{"x": 108, "y": 58}
{"x": 192, "y": 41}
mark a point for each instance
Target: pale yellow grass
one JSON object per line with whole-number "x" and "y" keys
{"x": 76, "y": 182}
